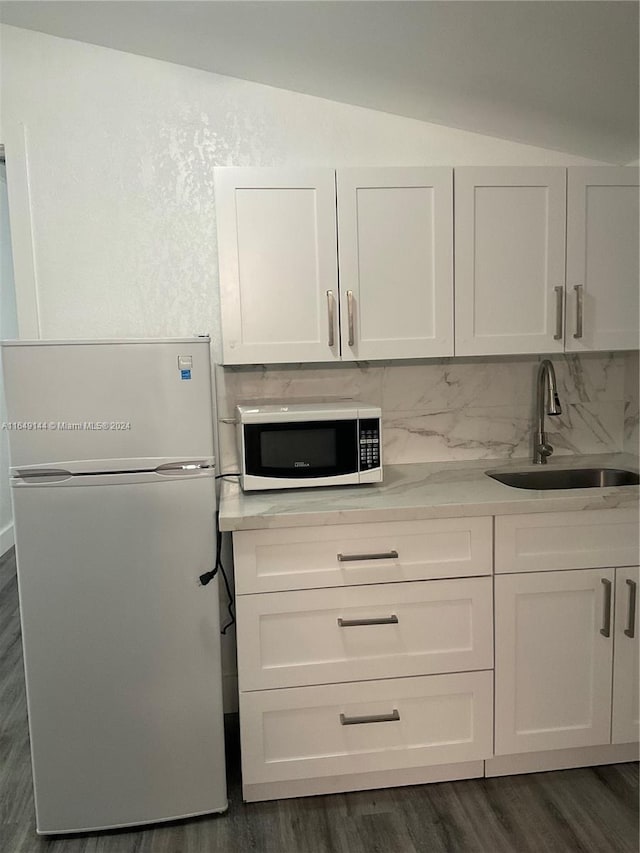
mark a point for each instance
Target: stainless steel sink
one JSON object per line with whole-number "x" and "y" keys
{"x": 570, "y": 478}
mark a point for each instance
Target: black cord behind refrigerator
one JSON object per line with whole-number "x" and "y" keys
{"x": 230, "y": 604}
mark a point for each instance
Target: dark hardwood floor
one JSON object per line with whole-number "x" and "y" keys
{"x": 591, "y": 810}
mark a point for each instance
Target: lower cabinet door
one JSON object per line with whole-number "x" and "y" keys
{"x": 554, "y": 653}
{"x": 626, "y": 660}
{"x": 306, "y": 732}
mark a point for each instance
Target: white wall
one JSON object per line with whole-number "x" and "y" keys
{"x": 8, "y": 329}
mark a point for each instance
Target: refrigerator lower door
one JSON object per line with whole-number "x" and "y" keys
{"x": 122, "y": 650}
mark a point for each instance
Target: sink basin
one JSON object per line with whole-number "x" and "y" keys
{"x": 570, "y": 478}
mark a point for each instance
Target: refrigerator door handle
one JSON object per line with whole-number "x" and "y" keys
{"x": 43, "y": 475}
{"x": 185, "y": 467}
{"x": 111, "y": 465}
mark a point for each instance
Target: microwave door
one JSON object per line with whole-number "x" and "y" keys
{"x": 301, "y": 451}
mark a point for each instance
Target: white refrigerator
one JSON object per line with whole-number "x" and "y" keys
{"x": 112, "y": 476}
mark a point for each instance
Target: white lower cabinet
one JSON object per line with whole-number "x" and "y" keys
{"x": 351, "y": 554}
{"x": 566, "y": 660}
{"x": 545, "y": 541}
{"x": 365, "y": 654}
{"x": 319, "y": 636}
{"x": 366, "y": 651}
{"x": 626, "y": 658}
{"x": 365, "y": 726}
{"x": 553, "y": 664}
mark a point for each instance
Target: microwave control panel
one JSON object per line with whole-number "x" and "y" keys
{"x": 369, "y": 444}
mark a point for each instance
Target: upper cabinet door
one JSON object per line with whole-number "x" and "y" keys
{"x": 602, "y": 259}
{"x": 278, "y": 265}
{"x": 395, "y": 240}
{"x": 510, "y": 260}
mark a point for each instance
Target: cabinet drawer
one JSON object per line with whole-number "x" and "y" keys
{"x": 349, "y": 554}
{"x": 309, "y": 637}
{"x": 306, "y": 732}
{"x": 566, "y": 540}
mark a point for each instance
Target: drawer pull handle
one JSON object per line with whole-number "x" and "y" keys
{"x": 630, "y": 630}
{"x": 352, "y": 558}
{"x": 353, "y": 623}
{"x": 606, "y": 615}
{"x": 371, "y": 718}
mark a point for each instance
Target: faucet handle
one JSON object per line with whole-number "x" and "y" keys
{"x": 544, "y": 450}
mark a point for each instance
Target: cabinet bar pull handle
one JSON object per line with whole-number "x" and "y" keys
{"x": 630, "y": 630}
{"x": 330, "y": 309}
{"x": 578, "y": 331}
{"x": 606, "y": 615}
{"x": 354, "y": 623}
{"x": 371, "y": 718}
{"x": 350, "y": 316}
{"x": 559, "y": 313}
{"x": 353, "y": 558}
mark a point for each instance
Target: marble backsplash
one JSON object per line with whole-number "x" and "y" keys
{"x": 455, "y": 409}
{"x": 631, "y": 394}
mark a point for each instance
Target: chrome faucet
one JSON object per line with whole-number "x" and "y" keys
{"x": 547, "y": 400}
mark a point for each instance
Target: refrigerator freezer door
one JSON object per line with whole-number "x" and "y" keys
{"x": 122, "y": 650}
{"x": 144, "y": 470}
{"x": 90, "y": 406}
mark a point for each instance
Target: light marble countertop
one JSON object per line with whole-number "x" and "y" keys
{"x": 423, "y": 490}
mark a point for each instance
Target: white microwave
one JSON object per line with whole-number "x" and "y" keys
{"x": 285, "y": 446}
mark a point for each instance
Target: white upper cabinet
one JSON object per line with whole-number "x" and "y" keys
{"x": 395, "y": 239}
{"x": 314, "y": 270}
{"x": 509, "y": 260}
{"x": 511, "y": 287}
{"x": 279, "y": 249}
{"x": 278, "y": 265}
{"x": 602, "y": 259}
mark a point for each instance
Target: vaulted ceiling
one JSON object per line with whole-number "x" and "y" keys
{"x": 561, "y": 75}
